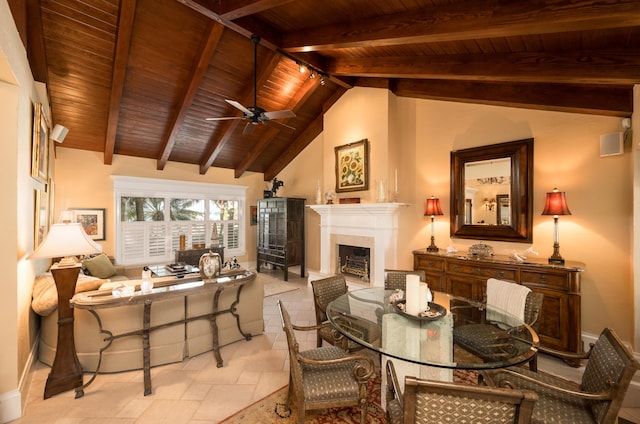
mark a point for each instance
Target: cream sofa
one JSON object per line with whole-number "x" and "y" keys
{"x": 168, "y": 345}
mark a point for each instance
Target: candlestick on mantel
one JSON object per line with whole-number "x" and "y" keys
{"x": 396, "y": 184}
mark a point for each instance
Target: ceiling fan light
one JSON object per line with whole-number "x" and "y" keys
{"x": 312, "y": 75}
{"x": 301, "y": 68}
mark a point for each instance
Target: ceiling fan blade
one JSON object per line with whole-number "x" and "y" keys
{"x": 248, "y": 129}
{"x": 237, "y": 105}
{"x": 280, "y": 114}
{"x": 226, "y": 118}
{"x": 281, "y": 125}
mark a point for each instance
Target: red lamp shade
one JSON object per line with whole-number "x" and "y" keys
{"x": 556, "y": 204}
{"x": 433, "y": 207}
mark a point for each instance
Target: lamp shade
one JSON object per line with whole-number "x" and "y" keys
{"x": 556, "y": 204}
{"x": 65, "y": 240}
{"x": 433, "y": 207}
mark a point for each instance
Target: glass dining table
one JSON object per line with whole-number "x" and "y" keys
{"x": 367, "y": 317}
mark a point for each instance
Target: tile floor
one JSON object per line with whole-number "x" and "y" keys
{"x": 196, "y": 391}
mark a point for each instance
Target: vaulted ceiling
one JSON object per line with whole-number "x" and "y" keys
{"x": 140, "y": 77}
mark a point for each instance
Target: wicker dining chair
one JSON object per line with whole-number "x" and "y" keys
{"x": 324, "y": 377}
{"x": 438, "y": 402}
{"x": 473, "y": 337}
{"x": 325, "y": 291}
{"x": 596, "y": 399}
{"x": 397, "y": 278}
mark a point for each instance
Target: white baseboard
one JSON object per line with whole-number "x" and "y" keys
{"x": 11, "y": 402}
{"x": 10, "y": 406}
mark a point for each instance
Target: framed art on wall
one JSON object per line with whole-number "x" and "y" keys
{"x": 352, "y": 166}
{"x": 92, "y": 221}
{"x": 40, "y": 145}
{"x": 254, "y": 215}
{"x": 40, "y": 217}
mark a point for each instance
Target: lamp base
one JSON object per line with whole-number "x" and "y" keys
{"x": 433, "y": 247}
{"x": 556, "y": 260}
{"x": 66, "y": 372}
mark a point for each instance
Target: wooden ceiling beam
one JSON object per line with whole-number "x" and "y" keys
{"x": 468, "y": 21}
{"x": 229, "y": 127}
{"x": 208, "y": 48}
{"x": 587, "y": 67}
{"x": 269, "y": 38}
{"x": 309, "y": 134}
{"x": 240, "y": 8}
{"x": 295, "y": 147}
{"x": 608, "y": 100}
{"x": 295, "y": 104}
{"x": 35, "y": 41}
{"x": 126, "y": 18}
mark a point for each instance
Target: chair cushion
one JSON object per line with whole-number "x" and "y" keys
{"x": 100, "y": 266}
{"x": 328, "y": 383}
{"x": 475, "y": 337}
{"x": 552, "y": 407}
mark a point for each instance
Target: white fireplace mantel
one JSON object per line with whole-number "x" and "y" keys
{"x": 372, "y": 225}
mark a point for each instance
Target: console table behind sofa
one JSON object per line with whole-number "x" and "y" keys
{"x": 167, "y": 345}
{"x": 467, "y": 277}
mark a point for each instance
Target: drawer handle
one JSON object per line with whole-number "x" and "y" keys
{"x": 543, "y": 278}
{"x": 477, "y": 270}
{"x": 430, "y": 263}
{"x": 501, "y": 274}
{"x": 456, "y": 268}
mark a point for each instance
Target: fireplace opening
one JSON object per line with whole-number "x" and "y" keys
{"x": 354, "y": 261}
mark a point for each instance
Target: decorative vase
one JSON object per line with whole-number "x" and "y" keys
{"x": 210, "y": 265}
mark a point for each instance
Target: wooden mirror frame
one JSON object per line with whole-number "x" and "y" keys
{"x": 521, "y": 229}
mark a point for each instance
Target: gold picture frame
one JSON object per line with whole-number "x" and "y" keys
{"x": 40, "y": 145}
{"x": 352, "y": 166}
{"x": 41, "y": 216}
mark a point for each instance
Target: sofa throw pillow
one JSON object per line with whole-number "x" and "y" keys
{"x": 100, "y": 266}
{"x": 45, "y": 296}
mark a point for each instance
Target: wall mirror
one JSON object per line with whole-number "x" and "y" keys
{"x": 491, "y": 192}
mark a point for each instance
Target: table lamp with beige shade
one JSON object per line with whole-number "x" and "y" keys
{"x": 65, "y": 240}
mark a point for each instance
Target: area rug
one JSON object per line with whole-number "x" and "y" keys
{"x": 273, "y": 286}
{"x": 264, "y": 411}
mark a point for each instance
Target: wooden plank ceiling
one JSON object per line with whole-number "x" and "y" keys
{"x": 140, "y": 77}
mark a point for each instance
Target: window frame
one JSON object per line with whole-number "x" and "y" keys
{"x": 124, "y": 186}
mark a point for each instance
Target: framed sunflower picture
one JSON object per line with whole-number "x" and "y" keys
{"x": 352, "y": 166}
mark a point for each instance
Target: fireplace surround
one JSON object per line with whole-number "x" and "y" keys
{"x": 368, "y": 225}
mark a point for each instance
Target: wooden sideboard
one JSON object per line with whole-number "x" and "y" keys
{"x": 560, "y": 318}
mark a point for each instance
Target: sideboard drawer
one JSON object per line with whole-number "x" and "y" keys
{"x": 545, "y": 279}
{"x": 430, "y": 263}
{"x": 481, "y": 270}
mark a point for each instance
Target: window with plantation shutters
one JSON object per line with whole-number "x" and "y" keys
{"x": 152, "y": 215}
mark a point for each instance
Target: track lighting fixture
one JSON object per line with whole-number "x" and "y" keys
{"x": 304, "y": 67}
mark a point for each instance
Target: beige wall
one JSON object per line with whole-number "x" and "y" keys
{"x": 19, "y": 324}
{"x": 566, "y": 155}
{"x": 83, "y": 181}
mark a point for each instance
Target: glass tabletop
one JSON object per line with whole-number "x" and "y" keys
{"x": 457, "y": 334}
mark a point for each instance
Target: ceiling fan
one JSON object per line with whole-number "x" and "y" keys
{"x": 255, "y": 114}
